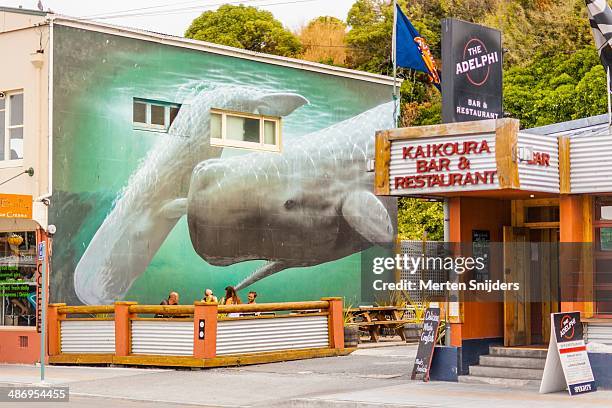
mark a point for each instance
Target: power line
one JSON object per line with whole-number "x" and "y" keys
{"x": 138, "y": 9}
{"x": 170, "y": 5}
{"x": 182, "y": 10}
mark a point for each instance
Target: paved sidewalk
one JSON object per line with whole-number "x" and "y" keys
{"x": 370, "y": 378}
{"x": 451, "y": 395}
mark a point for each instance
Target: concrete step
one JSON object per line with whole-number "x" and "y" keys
{"x": 505, "y": 372}
{"x": 502, "y": 382}
{"x": 512, "y": 362}
{"x": 517, "y": 352}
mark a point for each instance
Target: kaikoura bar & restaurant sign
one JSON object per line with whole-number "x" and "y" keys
{"x": 462, "y": 157}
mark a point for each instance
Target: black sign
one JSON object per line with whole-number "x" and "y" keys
{"x": 471, "y": 72}
{"x": 427, "y": 342}
{"x": 480, "y": 249}
{"x": 567, "y": 327}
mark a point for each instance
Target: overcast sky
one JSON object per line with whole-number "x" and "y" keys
{"x": 173, "y": 17}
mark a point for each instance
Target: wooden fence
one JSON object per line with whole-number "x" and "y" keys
{"x": 198, "y": 335}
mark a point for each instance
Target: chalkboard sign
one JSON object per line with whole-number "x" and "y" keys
{"x": 427, "y": 342}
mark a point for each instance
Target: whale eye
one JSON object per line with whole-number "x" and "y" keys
{"x": 289, "y": 204}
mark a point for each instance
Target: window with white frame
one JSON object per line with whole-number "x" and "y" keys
{"x": 244, "y": 130}
{"x": 154, "y": 115}
{"x": 11, "y": 126}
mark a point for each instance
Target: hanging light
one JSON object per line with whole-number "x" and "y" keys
{"x": 15, "y": 240}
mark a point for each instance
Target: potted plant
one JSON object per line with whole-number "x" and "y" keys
{"x": 351, "y": 331}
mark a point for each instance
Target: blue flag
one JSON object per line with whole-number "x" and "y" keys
{"x": 411, "y": 50}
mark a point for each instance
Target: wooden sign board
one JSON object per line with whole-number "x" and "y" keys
{"x": 427, "y": 342}
{"x": 567, "y": 362}
{"x": 15, "y": 206}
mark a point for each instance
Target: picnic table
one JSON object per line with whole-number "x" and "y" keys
{"x": 374, "y": 318}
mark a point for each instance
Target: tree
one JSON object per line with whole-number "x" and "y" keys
{"x": 371, "y": 23}
{"x": 245, "y": 27}
{"x": 323, "y": 40}
{"x": 416, "y": 216}
{"x": 557, "y": 88}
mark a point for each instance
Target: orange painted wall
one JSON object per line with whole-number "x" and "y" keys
{"x": 576, "y": 215}
{"x": 10, "y": 346}
{"x": 480, "y": 320}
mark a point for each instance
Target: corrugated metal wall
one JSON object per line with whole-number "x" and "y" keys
{"x": 599, "y": 333}
{"x": 87, "y": 336}
{"x": 590, "y": 164}
{"x": 539, "y": 178}
{"x": 261, "y": 335}
{"x": 478, "y": 162}
{"x": 162, "y": 338}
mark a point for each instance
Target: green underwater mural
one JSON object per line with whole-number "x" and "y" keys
{"x": 136, "y": 221}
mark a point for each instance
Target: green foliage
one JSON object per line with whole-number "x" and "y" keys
{"x": 371, "y": 23}
{"x": 555, "y": 89}
{"x": 416, "y": 216}
{"x": 245, "y": 27}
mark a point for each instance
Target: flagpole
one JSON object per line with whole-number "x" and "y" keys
{"x": 609, "y": 100}
{"x": 394, "y": 57}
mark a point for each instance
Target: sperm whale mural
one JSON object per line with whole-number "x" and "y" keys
{"x": 155, "y": 196}
{"x": 310, "y": 204}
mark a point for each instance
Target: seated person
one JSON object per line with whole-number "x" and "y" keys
{"x": 209, "y": 297}
{"x": 173, "y": 299}
{"x": 231, "y": 298}
{"x": 251, "y": 297}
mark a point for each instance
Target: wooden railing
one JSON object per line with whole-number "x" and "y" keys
{"x": 202, "y": 334}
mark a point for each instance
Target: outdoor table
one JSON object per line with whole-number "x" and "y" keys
{"x": 374, "y": 318}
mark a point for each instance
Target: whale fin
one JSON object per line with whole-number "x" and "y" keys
{"x": 267, "y": 269}
{"x": 174, "y": 209}
{"x": 279, "y": 104}
{"x": 367, "y": 215}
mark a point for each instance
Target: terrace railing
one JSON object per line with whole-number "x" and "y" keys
{"x": 200, "y": 335}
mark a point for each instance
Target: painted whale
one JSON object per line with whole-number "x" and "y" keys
{"x": 310, "y": 204}
{"x": 154, "y": 198}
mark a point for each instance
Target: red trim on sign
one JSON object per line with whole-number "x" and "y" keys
{"x": 572, "y": 349}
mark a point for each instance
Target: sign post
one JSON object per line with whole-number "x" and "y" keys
{"x": 42, "y": 256}
{"x": 567, "y": 362}
{"x": 427, "y": 342}
{"x": 471, "y": 72}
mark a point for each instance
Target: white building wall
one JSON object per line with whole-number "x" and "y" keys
{"x": 23, "y": 68}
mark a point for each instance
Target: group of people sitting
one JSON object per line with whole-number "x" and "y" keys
{"x": 231, "y": 297}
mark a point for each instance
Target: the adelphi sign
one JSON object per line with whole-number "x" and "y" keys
{"x": 471, "y": 72}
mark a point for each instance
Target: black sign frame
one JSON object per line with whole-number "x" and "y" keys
{"x": 471, "y": 72}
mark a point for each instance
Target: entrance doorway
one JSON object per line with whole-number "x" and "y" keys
{"x": 531, "y": 258}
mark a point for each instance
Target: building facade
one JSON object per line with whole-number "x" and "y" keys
{"x": 166, "y": 164}
{"x": 536, "y": 203}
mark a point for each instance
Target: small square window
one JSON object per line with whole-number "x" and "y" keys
{"x": 605, "y": 239}
{"x": 11, "y": 126}
{"x": 16, "y": 143}
{"x": 215, "y": 125}
{"x": 140, "y": 112}
{"x": 153, "y": 115}
{"x": 158, "y": 115}
{"x": 16, "y": 110}
{"x": 606, "y": 213}
{"x": 174, "y": 110}
{"x": 269, "y": 132}
{"x": 244, "y": 130}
